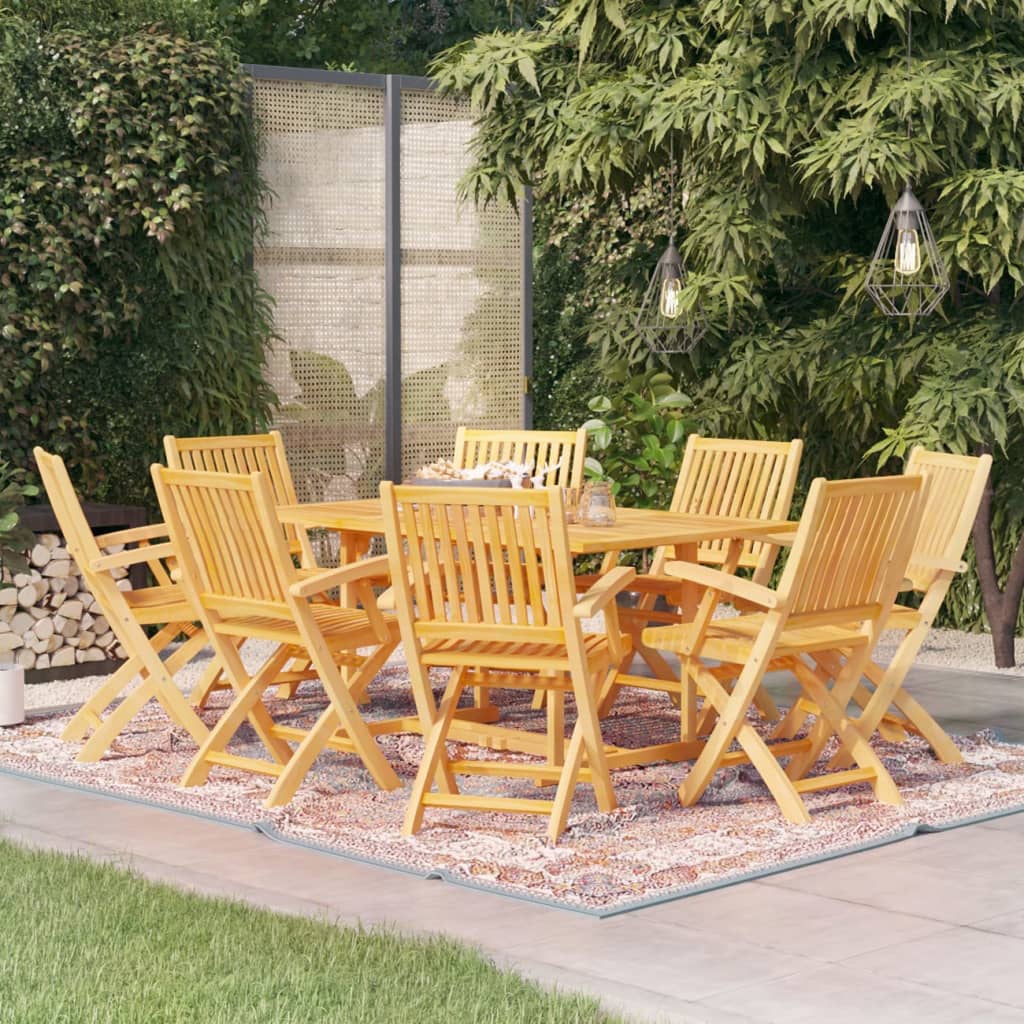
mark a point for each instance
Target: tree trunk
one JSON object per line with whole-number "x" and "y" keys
{"x": 1002, "y": 603}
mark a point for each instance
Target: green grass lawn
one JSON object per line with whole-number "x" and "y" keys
{"x": 82, "y": 942}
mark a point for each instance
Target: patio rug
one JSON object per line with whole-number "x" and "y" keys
{"x": 649, "y": 850}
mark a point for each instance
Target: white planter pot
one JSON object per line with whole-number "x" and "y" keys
{"x": 12, "y": 695}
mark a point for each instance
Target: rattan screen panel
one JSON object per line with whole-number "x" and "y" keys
{"x": 323, "y": 264}
{"x": 461, "y": 289}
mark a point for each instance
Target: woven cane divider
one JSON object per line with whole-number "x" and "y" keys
{"x": 323, "y": 264}
{"x": 461, "y": 288}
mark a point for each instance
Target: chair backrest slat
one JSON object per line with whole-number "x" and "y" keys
{"x": 82, "y": 543}
{"x": 733, "y": 477}
{"x": 853, "y": 544}
{"x": 564, "y": 449}
{"x": 955, "y": 487}
{"x": 233, "y": 542}
{"x": 477, "y": 557}
{"x": 78, "y": 536}
{"x": 244, "y": 454}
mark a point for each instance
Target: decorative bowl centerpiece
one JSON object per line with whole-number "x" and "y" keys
{"x": 444, "y": 473}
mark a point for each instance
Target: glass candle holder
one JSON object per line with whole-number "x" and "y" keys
{"x": 598, "y": 505}
{"x": 571, "y": 502}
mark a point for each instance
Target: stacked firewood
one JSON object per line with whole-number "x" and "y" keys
{"x": 48, "y": 619}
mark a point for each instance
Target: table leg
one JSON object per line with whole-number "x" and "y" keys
{"x": 691, "y": 592}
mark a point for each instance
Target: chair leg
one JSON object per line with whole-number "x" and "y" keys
{"x": 833, "y": 710}
{"x": 658, "y": 665}
{"x": 316, "y": 739}
{"x": 348, "y": 712}
{"x": 566, "y": 785}
{"x": 764, "y": 703}
{"x": 834, "y": 720}
{"x": 99, "y": 742}
{"x": 792, "y": 722}
{"x": 687, "y": 700}
{"x": 731, "y": 710}
{"x": 556, "y": 727}
{"x": 156, "y": 683}
{"x": 731, "y": 725}
{"x": 259, "y": 716}
{"x": 433, "y": 754}
{"x": 941, "y": 743}
{"x": 360, "y": 683}
{"x": 212, "y": 679}
{"x": 586, "y": 739}
{"x": 89, "y": 715}
{"x": 178, "y": 709}
{"x": 889, "y": 691}
{"x": 286, "y": 691}
{"x": 243, "y": 707}
{"x": 810, "y": 679}
{"x": 306, "y": 753}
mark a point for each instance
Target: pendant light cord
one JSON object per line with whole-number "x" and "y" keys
{"x": 910, "y": 131}
{"x": 671, "y": 189}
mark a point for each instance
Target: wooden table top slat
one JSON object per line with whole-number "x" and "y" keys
{"x": 633, "y": 527}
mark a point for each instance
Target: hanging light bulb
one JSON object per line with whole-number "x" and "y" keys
{"x": 671, "y": 267}
{"x": 664, "y": 321}
{"x": 908, "y": 252}
{"x": 907, "y": 276}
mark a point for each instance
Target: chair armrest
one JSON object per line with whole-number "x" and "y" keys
{"x": 715, "y": 579}
{"x": 603, "y": 592}
{"x": 154, "y": 531}
{"x": 941, "y": 564}
{"x": 331, "y": 578}
{"x": 133, "y": 556}
{"x": 779, "y": 540}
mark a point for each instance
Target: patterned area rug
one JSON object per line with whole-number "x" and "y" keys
{"x": 649, "y": 850}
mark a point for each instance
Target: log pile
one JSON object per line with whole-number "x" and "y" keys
{"x": 48, "y": 619}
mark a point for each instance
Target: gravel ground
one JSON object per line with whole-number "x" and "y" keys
{"x": 944, "y": 648}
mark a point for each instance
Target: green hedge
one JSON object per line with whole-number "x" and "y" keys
{"x": 129, "y": 197}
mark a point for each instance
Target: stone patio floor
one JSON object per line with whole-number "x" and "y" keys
{"x": 931, "y": 929}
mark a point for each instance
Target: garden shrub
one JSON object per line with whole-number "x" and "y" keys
{"x": 129, "y": 199}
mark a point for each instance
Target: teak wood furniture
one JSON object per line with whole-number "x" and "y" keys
{"x": 848, "y": 559}
{"x": 719, "y": 476}
{"x": 359, "y": 521}
{"x": 238, "y": 571}
{"x": 563, "y": 452}
{"x": 244, "y": 453}
{"x": 484, "y": 586}
{"x": 633, "y": 527}
{"x": 127, "y": 613}
{"x": 953, "y": 492}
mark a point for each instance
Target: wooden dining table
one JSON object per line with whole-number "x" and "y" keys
{"x": 357, "y": 522}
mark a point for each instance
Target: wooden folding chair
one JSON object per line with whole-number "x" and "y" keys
{"x": 563, "y": 451}
{"x": 483, "y": 585}
{"x": 955, "y": 484}
{"x": 719, "y": 476}
{"x": 851, "y": 551}
{"x": 127, "y": 613}
{"x": 245, "y": 453}
{"x": 238, "y": 571}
